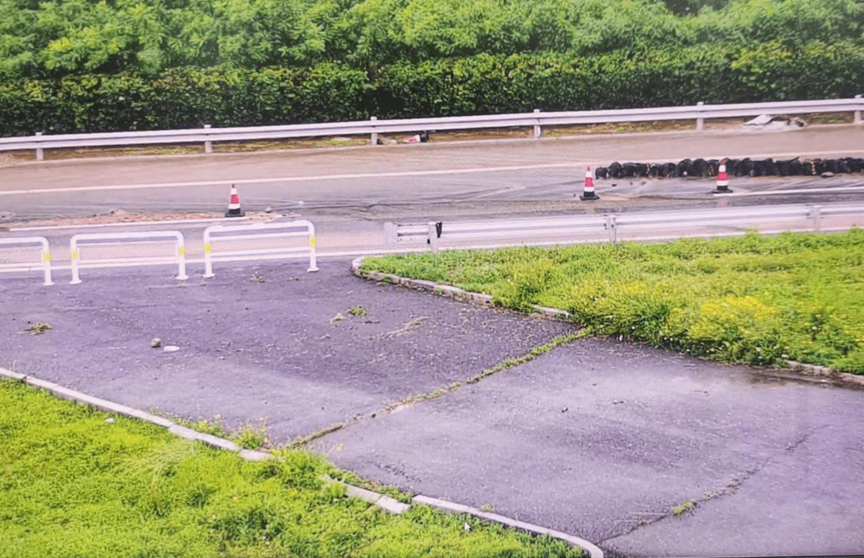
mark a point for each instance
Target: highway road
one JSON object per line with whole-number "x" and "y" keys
{"x": 425, "y": 181}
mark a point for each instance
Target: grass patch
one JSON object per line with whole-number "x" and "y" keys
{"x": 757, "y": 299}
{"x": 683, "y": 508}
{"x": 75, "y": 484}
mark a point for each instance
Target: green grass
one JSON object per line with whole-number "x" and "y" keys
{"x": 74, "y": 485}
{"x": 755, "y": 299}
{"x": 683, "y": 508}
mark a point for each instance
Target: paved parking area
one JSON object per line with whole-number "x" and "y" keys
{"x": 596, "y": 438}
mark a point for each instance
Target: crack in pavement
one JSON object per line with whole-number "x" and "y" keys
{"x": 730, "y": 488}
{"x": 411, "y": 400}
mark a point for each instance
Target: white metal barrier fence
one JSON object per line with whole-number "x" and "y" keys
{"x": 255, "y": 233}
{"x": 44, "y": 259}
{"x": 373, "y": 127}
{"x": 638, "y": 225}
{"x": 178, "y": 258}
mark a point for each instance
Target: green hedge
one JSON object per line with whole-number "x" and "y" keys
{"x": 183, "y": 98}
{"x": 485, "y": 84}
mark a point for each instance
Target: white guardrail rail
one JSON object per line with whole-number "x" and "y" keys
{"x": 600, "y": 228}
{"x": 102, "y": 240}
{"x": 373, "y": 126}
{"x": 219, "y": 234}
{"x": 44, "y": 263}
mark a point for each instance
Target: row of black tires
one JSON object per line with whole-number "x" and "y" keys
{"x": 701, "y": 168}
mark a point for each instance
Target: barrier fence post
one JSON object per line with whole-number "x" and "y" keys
{"x": 537, "y": 131}
{"x": 374, "y": 133}
{"x": 700, "y": 122}
{"x": 40, "y": 154}
{"x": 208, "y": 145}
{"x": 181, "y": 259}
{"x": 46, "y": 262}
{"x": 313, "y": 242}
{"x": 44, "y": 256}
{"x": 208, "y": 258}
{"x": 74, "y": 249}
{"x": 258, "y": 231}
{"x": 857, "y": 119}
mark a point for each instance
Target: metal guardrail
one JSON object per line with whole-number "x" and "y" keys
{"x": 44, "y": 260}
{"x": 256, "y": 232}
{"x": 373, "y": 127}
{"x": 179, "y": 257}
{"x": 601, "y": 228}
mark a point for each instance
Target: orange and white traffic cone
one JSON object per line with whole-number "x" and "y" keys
{"x": 588, "y": 190}
{"x": 234, "y": 204}
{"x": 722, "y": 180}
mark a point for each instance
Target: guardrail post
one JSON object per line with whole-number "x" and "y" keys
{"x": 208, "y": 145}
{"x": 434, "y": 233}
{"x": 537, "y": 131}
{"x": 374, "y": 133}
{"x": 700, "y": 122}
{"x": 815, "y": 214}
{"x": 612, "y": 227}
{"x": 40, "y": 154}
{"x": 857, "y": 119}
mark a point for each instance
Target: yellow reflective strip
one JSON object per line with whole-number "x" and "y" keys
{"x": 74, "y": 254}
{"x": 47, "y": 256}
{"x": 313, "y": 242}
{"x": 208, "y": 248}
{"x": 182, "y": 250}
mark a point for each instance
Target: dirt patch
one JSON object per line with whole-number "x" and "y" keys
{"x": 120, "y": 216}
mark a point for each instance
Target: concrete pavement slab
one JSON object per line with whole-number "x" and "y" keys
{"x": 604, "y": 440}
{"x": 256, "y": 342}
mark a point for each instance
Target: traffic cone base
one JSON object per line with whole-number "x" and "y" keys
{"x": 588, "y": 190}
{"x": 234, "y": 204}
{"x": 722, "y": 180}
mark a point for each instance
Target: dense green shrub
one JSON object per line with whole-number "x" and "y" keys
{"x": 55, "y": 38}
{"x": 483, "y": 84}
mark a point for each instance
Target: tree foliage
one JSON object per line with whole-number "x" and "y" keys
{"x": 68, "y": 37}
{"x": 105, "y": 65}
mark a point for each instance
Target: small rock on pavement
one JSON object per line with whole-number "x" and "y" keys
{"x": 156, "y": 343}
{"x": 171, "y": 348}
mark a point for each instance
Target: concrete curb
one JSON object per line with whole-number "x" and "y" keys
{"x": 387, "y": 503}
{"x": 808, "y": 372}
{"x": 448, "y": 291}
{"x": 592, "y": 549}
{"x": 813, "y": 371}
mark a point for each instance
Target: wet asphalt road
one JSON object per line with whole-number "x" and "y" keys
{"x": 425, "y": 181}
{"x": 596, "y": 438}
